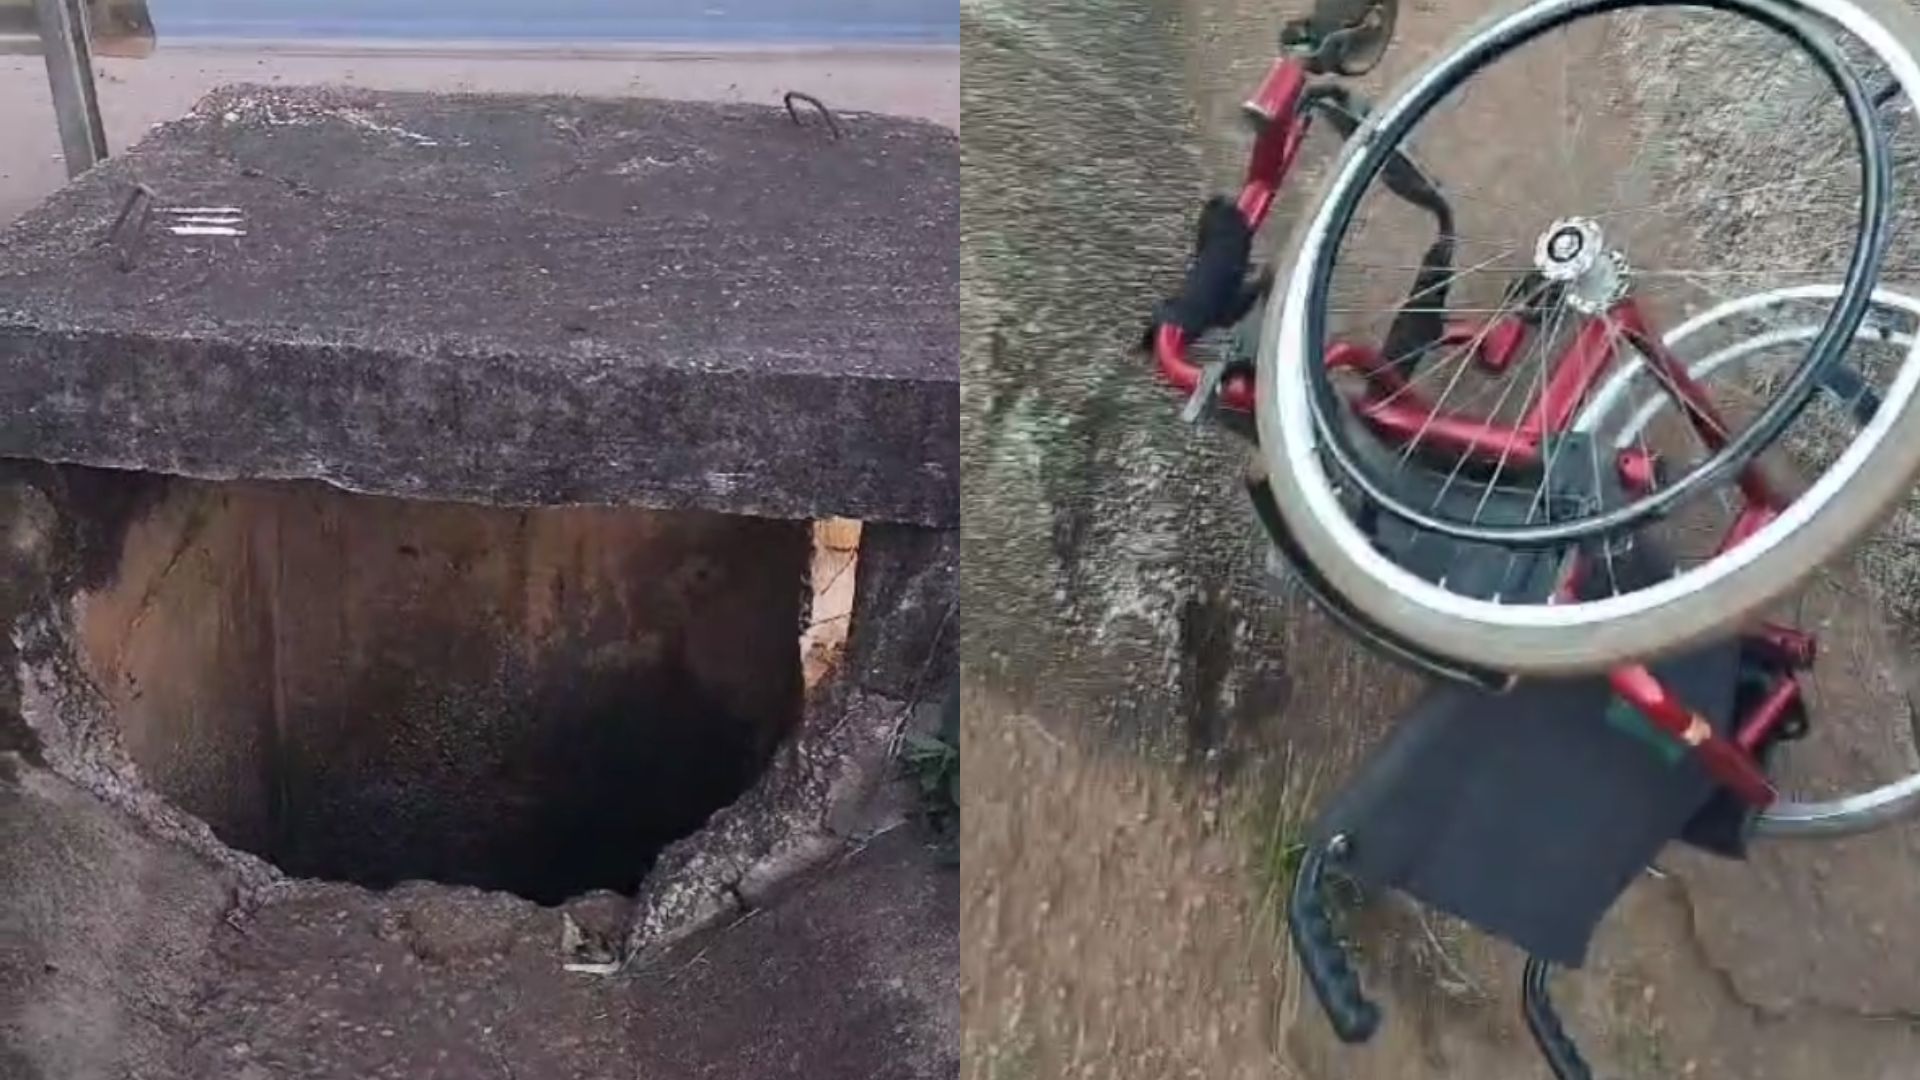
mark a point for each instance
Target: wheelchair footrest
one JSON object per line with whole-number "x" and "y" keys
{"x": 1528, "y": 813}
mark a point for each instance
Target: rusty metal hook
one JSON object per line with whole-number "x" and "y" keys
{"x": 833, "y": 125}
{"x": 130, "y": 227}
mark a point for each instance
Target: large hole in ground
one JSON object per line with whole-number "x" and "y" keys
{"x": 378, "y": 690}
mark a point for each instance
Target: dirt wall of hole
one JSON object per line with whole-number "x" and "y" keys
{"x": 378, "y": 689}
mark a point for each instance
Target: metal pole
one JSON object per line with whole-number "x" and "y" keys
{"x": 63, "y": 40}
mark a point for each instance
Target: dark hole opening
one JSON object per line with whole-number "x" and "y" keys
{"x": 579, "y": 793}
{"x": 377, "y": 690}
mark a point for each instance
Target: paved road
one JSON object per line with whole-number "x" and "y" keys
{"x": 572, "y": 21}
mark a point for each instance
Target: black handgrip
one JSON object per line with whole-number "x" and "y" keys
{"x": 1563, "y": 1057}
{"x": 1214, "y": 292}
{"x": 1353, "y": 1017}
{"x": 1219, "y": 289}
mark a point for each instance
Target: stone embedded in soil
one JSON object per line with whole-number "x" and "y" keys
{"x": 518, "y": 300}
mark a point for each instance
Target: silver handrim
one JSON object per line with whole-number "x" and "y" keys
{"x": 1850, "y": 814}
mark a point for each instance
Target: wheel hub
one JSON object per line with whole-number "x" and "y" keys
{"x": 1572, "y": 253}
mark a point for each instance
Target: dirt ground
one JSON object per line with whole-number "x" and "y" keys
{"x": 124, "y": 958}
{"x": 1145, "y": 718}
{"x": 1117, "y": 924}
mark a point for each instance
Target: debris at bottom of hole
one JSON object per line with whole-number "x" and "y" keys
{"x": 587, "y": 954}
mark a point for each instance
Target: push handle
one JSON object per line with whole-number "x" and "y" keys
{"x": 1563, "y": 1057}
{"x": 1217, "y": 291}
{"x": 1332, "y": 977}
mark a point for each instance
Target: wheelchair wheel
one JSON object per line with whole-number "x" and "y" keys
{"x": 1518, "y": 301}
{"x": 1856, "y": 766}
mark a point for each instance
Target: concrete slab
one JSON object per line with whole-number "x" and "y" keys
{"x": 531, "y": 301}
{"x": 137, "y": 94}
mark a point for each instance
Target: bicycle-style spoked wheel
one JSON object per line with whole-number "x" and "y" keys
{"x": 1425, "y": 358}
{"x": 1855, "y": 763}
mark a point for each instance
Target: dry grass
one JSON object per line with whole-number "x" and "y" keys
{"x": 1112, "y": 923}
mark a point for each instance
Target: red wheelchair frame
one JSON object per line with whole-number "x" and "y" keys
{"x": 1397, "y": 411}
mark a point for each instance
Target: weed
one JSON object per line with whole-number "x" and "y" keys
{"x": 1278, "y": 816}
{"x": 934, "y": 763}
{"x": 1280, "y": 819}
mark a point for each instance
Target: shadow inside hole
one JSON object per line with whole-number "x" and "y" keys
{"x": 575, "y": 791}
{"x": 379, "y": 690}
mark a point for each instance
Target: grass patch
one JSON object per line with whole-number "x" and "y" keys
{"x": 1278, "y": 814}
{"x": 1280, "y": 811}
{"x": 934, "y": 763}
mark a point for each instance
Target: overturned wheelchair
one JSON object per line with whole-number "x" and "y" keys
{"x": 1510, "y": 436}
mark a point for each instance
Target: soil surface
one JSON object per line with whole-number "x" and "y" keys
{"x": 1141, "y": 701}
{"x": 124, "y": 957}
{"x": 851, "y": 977}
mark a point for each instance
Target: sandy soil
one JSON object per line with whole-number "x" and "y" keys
{"x": 1108, "y": 928}
{"x": 136, "y": 94}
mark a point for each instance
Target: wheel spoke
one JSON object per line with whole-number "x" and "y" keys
{"x": 1607, "y": 157}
